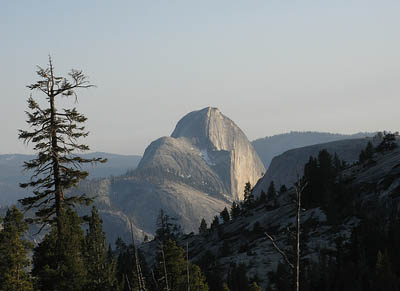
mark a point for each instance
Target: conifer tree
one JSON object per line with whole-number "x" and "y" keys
{"x": 237, "y": 278}
{"x": 124, "y": 265}
{"x": 55, "y": 135}
{"x": 282, "y": 189}
{"x": 171, "y": 270}
{"x": 225, "y": 215}
{"x": 263, "y": 197}
{"x": 235, "y": 210}
{"x": 369, "y": 150}
{"x": 214, "y": 223}
{"x": 271, "y": 192}
{"x": 55, "y": 270}
{"x": 203, "y": 227}
{"x": 100, "y": 275}
{"x": 13, "y": 253}
{"x": 248, "y": 196}
{"x": 166, "y": 227}
{"x": 131, "y": 268}
{"x": 112, "y": 268}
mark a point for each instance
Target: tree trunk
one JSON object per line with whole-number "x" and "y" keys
{"x": 54, "y": 148}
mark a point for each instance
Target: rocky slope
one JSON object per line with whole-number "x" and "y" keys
{"x": 272, "y": 146}
{"x": 285, "y": 168}
{"x": 242, "y": 240}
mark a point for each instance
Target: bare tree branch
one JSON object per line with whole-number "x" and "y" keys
{"x": 283, "y": 254}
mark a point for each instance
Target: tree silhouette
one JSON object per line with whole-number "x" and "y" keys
{"x": 55, "y": 137}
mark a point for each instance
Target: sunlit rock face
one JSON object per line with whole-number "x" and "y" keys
{"x": 192, "y": 174}
{"x": 209, "y": 152}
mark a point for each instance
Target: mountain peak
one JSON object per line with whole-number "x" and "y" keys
{"x": 224, "y": 149}
{"x": 208, "y": 128}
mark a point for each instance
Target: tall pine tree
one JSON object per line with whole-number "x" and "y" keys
{"x": 174, "y": 272}
{"x": 55, "y": 137}
{"x": 66, "y": 270}
{"x": 13, "y": 253}
{"x": 101, "y": 275}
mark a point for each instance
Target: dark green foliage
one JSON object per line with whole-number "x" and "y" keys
{"x": 99, "y": 265}
{"x": 213, "y": 273}
{"x": 263, "y": 197}
{"x": 55, "y": 137}
{"x": 125, "y": 265}
{"x": 237, "y": 278}
{"x": 272, "y": 196}
{"x": 167, "y": 228}
{"x": 127, "y": 268}
{"x": 13, "y": 253}
{"x": 255, "y": 287}
{"x": 203, "y": 227}
{"x": 257, "y": 228}
{"x": 271, "y": 192}
{"x": 226, "y": 249}
{"x": 235, "y": 210}
{"x": 325, "y": 188}
{"x": 171, "y": 270}
{"x": 225, "y": 215}
{"x": 282, "y": 279}
{"x": 370, "y": 261}
{"x": 282, "y": 189}
{"x": 206, "y": 260}
{"x": 215, "y": 223}
{"x": 367, "y": 153}
{"x": 248, "y": 200}
{"x": 388, "y": 142}
{"x": 59, "y": 262}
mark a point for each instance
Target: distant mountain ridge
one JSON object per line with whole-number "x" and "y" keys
{"x": 271, "y": 146}
{"x": 11, "y": 172}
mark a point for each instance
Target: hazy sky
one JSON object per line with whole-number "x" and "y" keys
{"x": 271, "y": 66}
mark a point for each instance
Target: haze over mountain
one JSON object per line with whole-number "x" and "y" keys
{"x": 192, "y": 174}
{"x": 11, "y": 172}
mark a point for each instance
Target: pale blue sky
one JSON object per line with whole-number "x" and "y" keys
{"x": 271, "y": 66}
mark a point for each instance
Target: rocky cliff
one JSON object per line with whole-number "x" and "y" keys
{"x": 192, "y": 174}
{"x": 208, "y": 148}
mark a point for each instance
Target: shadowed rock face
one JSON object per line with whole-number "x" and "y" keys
{"x": 209, "y": 152}
{"x": 285, "y": 168}
{"x": 271, "y": 146}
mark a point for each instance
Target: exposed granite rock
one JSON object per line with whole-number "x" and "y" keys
{"x": 191, "y": 175}
{"x": 285, "y": 168}
{"x": 243, "y": 240}
{"x": 222, "y": 145}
